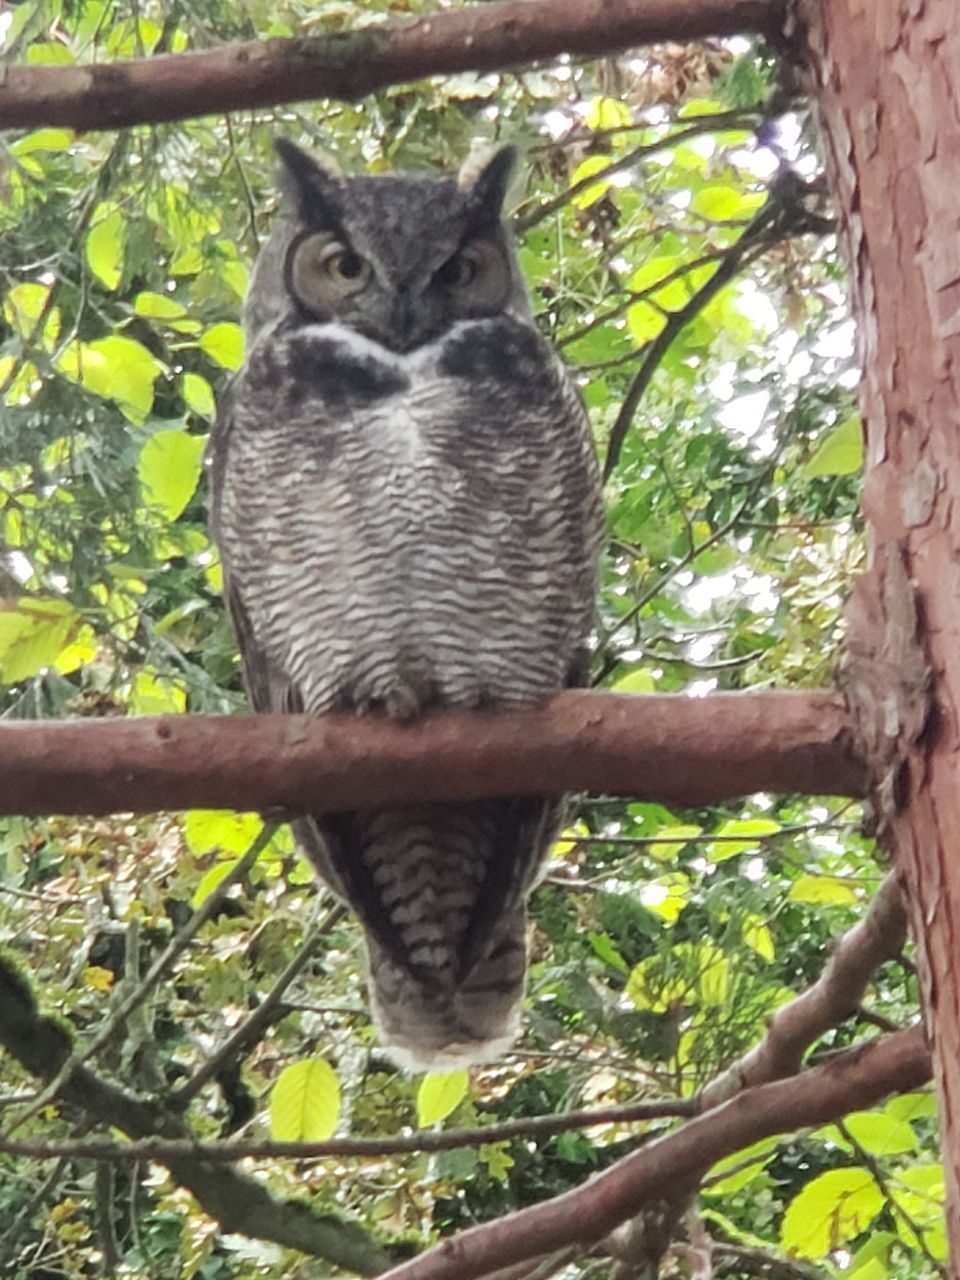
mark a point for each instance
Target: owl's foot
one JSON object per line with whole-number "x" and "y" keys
{"x": 402, "y": 704}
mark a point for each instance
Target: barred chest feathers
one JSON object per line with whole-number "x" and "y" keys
{"x": 406, "y": 501}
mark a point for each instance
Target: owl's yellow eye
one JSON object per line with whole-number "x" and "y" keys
{"x": 343, "y": 263}
{"x": 461, "y": 270}
{"x": 324, "y": 271}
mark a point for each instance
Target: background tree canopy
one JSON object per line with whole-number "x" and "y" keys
{"x": 681, "y": 255}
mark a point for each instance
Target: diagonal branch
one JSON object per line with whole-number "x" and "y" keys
{"x": 878, "y": 937}
{"x": 851, "y": 1081}
{"x": 668, "y": 748}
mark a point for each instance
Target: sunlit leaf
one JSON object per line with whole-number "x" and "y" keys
{"x": 224, "y": 344}
{"x": 666, "y": 896}
{"x": 592, "y": 192}
{"x": 169, "y": 470}
{"x": 152, "y": 694}
{"x": 223, "y": 830}
{"x": 159, "y": 306}
{"x": 439, "y": 1095}
{"x": 305, "y": 1102}
{"x": 757, "y": 936}
{"x": 42, "y": 140}
{"x": 640, "y": 680}
{"x": 695, "y": 973}
{"x": 33, "y": 635}
{"x": 830, "y": 1211}
{"x": 841, "y": 454}
{"x": 117, "y": 368}
{"x": 210, "y": 880}
{"x": 607, "y": 113}
{"x": 104, "y": 245}
{"x": 672, "y": 840}
{"x": 198, "y": 394}
{"x": 831, "y": 891}
{"x": 721, "y": 850}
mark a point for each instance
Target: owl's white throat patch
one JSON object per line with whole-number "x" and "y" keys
{"x": 410, "y": 365}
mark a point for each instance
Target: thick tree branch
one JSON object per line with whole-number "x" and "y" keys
{"x": 42, "y": 1046}
{"x": 659, "y": 747}
{"x": 349, "y": 64}
{"x": 856, "y": 1079}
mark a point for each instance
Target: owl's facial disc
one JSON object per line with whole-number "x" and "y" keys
{"x": 476, "y": 279}
{"x": 324, "y": 272}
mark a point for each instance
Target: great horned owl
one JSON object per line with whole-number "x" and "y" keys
{"x": 406, "y": 500}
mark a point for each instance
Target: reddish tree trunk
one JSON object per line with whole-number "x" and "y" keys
{"x": 886, "y": 74}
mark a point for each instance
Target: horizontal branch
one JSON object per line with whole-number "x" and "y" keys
{"x": 857, "y": 1079}
{"x": 667, "y": 748}
{"x": 347, "y": 65}
{"x": 232, "y": 1149}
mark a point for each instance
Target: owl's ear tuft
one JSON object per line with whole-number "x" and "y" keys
{"x": 313, "y": 182}
{"x": 487, "y": 183}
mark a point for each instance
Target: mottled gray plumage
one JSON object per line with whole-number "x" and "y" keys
{"x": 406, "y": 500}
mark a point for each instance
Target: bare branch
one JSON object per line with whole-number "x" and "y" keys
{"x": 163, "y": 1149}
{"x": 659, "y": 747}
{"x": 854, "y": 1080}
{"x": 349, "y": 64}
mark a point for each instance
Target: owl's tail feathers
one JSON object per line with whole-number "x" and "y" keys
{"x": 440, "y": 1023}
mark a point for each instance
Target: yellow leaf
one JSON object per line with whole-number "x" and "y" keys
{"x": 439, "y": 1095}
{"x": 305, "y": 1102}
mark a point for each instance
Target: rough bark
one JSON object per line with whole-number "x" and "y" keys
{"x": 349, "y": 64}
{"x": 887, "y": 78}
{"x": 670, "y": 748}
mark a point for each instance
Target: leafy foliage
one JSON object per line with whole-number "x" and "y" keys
{"x": 663, "y": 940}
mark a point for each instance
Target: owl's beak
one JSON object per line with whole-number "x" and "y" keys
{"x": 403, "y": 320}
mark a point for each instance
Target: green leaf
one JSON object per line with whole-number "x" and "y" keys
{"x": 169, "y": 470}
{"x": 832, "y": 891}
{"x": 224, "y": 344}
{"x": 644, "y": 322}
{"x": 33, "y": 635}
{"x": 592, "y": 192}
{"x": 722, "y": 203}
{"x": 104, "y": 246}
{"x": 639, "y": 680}
{"x": 43, "y": 140}
{"x": 23, "y": 307}
{"x": 666, "y": 896}
{"x": 158, "y": 306}
{"x": 841, "y": 454}
{"x": 208, "y": 882}
{"x": 913, "y": 1106}
{"x": 496, "y": 1156}
{"x": 671, "y": 840}
{"x": 691, "y": 973}
{"x": 198, "y": 394}
{"x": 439, "y": 1094}
{"x": 756, "y": 934}
{"x": 603, "y": 948}
{"x": 206, "y": 830}
{"x": 721, "y": 850}
{"x": 117, "y": 368}
{"x": 305, "y": 1102}
{"x": 830, "y": 1211}
{"x": 880, "y": 1134}
{"x": 153, "y": 694}
{"x": 607, "y": 113}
